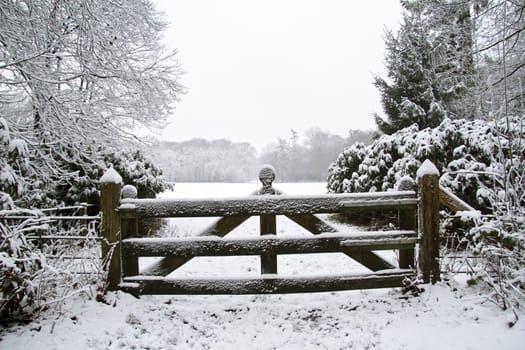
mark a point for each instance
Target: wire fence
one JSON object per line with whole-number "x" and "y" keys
{"x": 67, "y": 237}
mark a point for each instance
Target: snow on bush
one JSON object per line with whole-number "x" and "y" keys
{"x": 19, "y": 265}
{"x": 14, "y": 162}
{"x": 481, "y": 162}
{"x": 499, "y": 242}
{"x": 138, "y": 171}
{"x": 25, "y": 172}
{"x": 29, "y": 281}
{"x": 463, "y": 151}
{"x": 18, "y": 147}
{"x": 83, "y": 182}
{"x": 24, "y": 169}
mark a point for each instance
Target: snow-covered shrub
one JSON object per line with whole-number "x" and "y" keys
{"x": 15, "y": 169}
{"x": 464, "y": 152}
{"x": 28, "y": 281}
{"x": 35, "y": 175}
{"x": 133, "y": 166}
{"x": 499, "y": 244}
{"x": 25, "y": 168}
{"x": 344, "y": 168}
{"x": 19, "y": 265}
{"x": 481, "y": 162}
{"x": 138, "y": 171}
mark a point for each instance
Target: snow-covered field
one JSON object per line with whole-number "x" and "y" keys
{"x": 448, "y": 315}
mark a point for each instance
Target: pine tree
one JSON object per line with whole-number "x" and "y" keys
{"x": 408, "y": 96}
{"x": 451, "y": 37}
{"x": 430, "y": 69}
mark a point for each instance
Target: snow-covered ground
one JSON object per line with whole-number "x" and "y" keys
{"x": 448, "y": 315}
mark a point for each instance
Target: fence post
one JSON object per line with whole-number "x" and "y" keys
{"x": 268, "y": 261}
{"x": 407, "y": 221}
{"x": 428, "y": 222}
{"x": 268, "y": 222}
{"x": 110, "y": 185}
{"x": 129, "y": 228}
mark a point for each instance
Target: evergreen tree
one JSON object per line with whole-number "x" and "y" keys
{"x": 451, "y": 37}
{"x": 408, "y": 96}
{"x": 429, "y": 66}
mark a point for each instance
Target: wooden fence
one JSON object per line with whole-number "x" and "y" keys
{"x": 123, "y": 245}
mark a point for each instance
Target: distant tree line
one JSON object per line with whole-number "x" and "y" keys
{"x": 308, "y": 160}
{"x": 294, "y": 158}
{"x": 200, "y": 160}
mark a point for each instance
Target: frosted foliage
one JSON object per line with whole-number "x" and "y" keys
{"x": 4, "y": 131}
{"x": 76, "y": 78}
{"x": 140, "y": 172}
{"x": 18, "y": 146}
{"x": 19, "y": 264}
{"x": 14, "y": 163}
{"x": 85, "y": 93}
{"x": 464, "y": 152}
{"x": 410, "y": 110}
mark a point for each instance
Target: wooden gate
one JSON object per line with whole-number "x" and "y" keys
{"x": 123, "y": 244}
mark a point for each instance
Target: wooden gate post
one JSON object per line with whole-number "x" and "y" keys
{"x": 267, "y": 222}
{"x": 268, "y": 261}
{"x": 129, "y": 228}
{"x": 428, "y": 222}
{"x": 110, "y": 185}
{"x": 407, "y": 221}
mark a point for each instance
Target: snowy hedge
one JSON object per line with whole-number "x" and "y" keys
{"x": 472, "y": 156}
{"x": 20, "y": 263}
{"x": 37, "y": 176}
{"x": 134, "y": 168}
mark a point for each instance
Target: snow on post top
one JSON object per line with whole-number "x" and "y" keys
{"x": 266, "y": 176}
{"x": 406, "y": 183}
{"x": 267, "y": 171}
{"x": 129, "y": 191}
{"x": 111, "y": 176}
{"x": 427, "y": 168}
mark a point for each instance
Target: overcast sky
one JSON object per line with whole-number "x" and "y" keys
{"x": 255, "y": 69}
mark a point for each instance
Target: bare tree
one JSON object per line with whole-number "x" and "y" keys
{"x": 75, "y": 74}
{"x": 500, "y": 57}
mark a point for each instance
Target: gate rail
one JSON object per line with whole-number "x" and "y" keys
{"x": 123, "y": 244}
